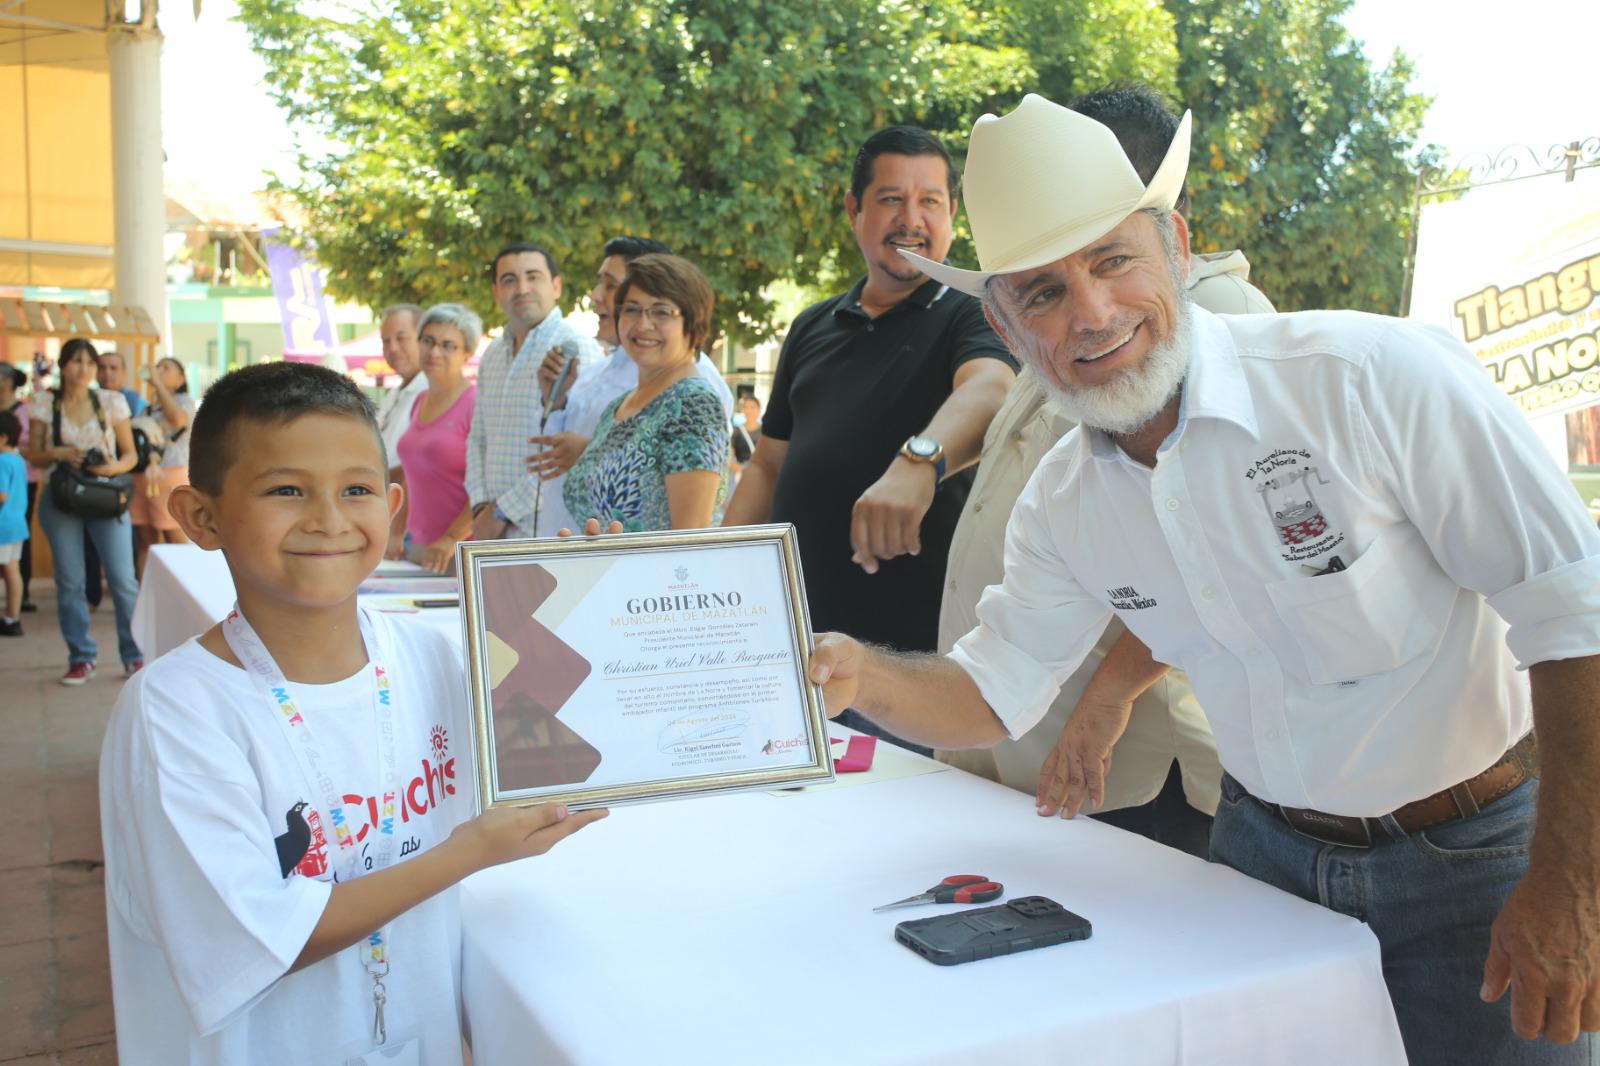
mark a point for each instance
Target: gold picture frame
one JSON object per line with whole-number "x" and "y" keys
{"x": 679, "y": 658}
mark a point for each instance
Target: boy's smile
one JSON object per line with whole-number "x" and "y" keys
{"x": 303, "y": 515}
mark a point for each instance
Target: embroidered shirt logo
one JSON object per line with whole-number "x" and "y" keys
{"x": 1287, "y": 482}
{"x": 1127, "y": 598}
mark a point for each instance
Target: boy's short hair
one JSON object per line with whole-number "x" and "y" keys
{"x": 263, "y": 394}
{"x": 10, "y": 428}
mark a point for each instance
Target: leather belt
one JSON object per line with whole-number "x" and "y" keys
{"x": 1518, "y": 764}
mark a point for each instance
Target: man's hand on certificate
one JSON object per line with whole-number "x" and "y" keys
{"x": 836, "y": 665}
{"x": 887, "y": 520}
{"x": 1076, "y": 769}
{"x": 1545, "y": 947}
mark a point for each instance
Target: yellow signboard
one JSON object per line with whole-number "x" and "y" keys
{"x": 1514, "y": 271}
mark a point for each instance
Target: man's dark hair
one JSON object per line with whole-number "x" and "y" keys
{"x": 1144, "y": 125}
{"x": 518, "y": 249}
{"x": 18, "y": 376}
{"x": 631, "y": 248}
{"x": 267, "y": 393}
{"x": 899, "y": 140}
{"x": 10, "y": 428}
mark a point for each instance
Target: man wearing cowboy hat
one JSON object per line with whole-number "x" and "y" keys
{"x": 1167, "y": 722}
{"x": 1265, "y": 501}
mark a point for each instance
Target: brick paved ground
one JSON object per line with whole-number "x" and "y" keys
{"x": 55, "y": 987}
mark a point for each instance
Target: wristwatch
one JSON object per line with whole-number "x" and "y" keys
{"x": 920, "y": 449}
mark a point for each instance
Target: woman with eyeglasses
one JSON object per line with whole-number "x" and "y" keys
{"x": 659, "y": 457}
{"x": 433, "y": 450}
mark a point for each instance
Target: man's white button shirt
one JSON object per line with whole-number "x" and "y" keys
{"x": 509, "y": 410}
{"x": 1350, "y": 541}
{"x": 617, "y": 375}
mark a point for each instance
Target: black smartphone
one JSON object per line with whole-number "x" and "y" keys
{"x": 984, "y": 932}
{"x": 453, "y": 601}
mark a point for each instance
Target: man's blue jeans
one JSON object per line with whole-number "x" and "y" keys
{"x": 112, "y": 539}
{"x": 1430, "y": 898}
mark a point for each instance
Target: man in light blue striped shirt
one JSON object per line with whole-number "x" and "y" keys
{"x": 507, "y": 500}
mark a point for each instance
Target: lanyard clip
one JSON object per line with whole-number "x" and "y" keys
{"x": 380, "y": 994}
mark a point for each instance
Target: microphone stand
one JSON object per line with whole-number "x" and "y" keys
{"x": 544, "y": 418}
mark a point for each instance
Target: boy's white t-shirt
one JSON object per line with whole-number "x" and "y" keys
{"x": 198, "y": 797}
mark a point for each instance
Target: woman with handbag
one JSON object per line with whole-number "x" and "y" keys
{"x": 80, "y": 437}
{"x": 152, "y": 488}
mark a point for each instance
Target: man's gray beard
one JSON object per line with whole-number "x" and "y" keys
{"x": 1123, "y": 405}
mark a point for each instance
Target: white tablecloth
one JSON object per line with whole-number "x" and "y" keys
{"x": 186, "y": 590}
{"x": 738, "y": 929}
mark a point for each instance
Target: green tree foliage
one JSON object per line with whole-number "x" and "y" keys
{"x": 727, "y": 129}
{"x": 1302, "y": 153}
{"x": 724, "y": 127}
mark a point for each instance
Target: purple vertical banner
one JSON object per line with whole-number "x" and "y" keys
{"x": 302, "y": 306}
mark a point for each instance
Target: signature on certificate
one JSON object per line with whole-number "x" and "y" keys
{"x": 683, "y": 735}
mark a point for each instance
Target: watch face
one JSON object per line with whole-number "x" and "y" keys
{"x": 923, "y": 446}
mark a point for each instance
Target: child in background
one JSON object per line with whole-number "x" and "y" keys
{"x": 286, "y": 799}
{"x": 13, "y": 521}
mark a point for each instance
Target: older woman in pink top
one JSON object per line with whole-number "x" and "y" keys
{"x": 433, "y": 452}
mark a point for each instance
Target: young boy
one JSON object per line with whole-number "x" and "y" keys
{"x": 297, "y": 778}
{"x": 13, "y": 521}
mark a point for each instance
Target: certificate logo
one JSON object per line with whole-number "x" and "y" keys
{"x": 681, "y": 573}
{"x": 778, "y": 747}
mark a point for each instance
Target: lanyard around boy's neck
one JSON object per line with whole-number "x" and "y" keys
{"x": 311, "y": 757}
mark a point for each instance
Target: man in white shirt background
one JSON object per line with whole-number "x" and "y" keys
{"x": 1168, "y": 723}
{"x": 507, "y": 500}
{"x": 397, "y": 330}
{"x": 1375, "y": 577}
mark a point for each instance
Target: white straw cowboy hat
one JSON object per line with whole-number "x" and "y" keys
{"x": 1044, "y": 182}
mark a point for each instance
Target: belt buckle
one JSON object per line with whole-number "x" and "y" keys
{"x": 1321, "y": 827}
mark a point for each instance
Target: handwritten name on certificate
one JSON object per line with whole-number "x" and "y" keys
{"x": 646, "y": 666}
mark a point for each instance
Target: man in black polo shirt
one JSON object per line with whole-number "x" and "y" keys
{"x": 881, "y": 400}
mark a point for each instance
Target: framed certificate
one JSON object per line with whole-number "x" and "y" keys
{"x": 641, "y": 666}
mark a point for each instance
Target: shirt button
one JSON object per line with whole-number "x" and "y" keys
{"x": 1271, "y": 734}
{"x": 1208, "y": 592}
{"x": 1173, "y": 504}
{"x": 977, "y": 507}
{"x": 870, "y": 327}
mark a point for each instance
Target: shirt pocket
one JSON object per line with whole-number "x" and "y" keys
{"x": 1386, "y": 609}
